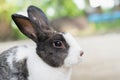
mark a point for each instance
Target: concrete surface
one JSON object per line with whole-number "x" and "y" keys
{"x": 101, "y": 59}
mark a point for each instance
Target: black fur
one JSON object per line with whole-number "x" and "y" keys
{"x": 25, "y": 26}
{"x": 51, "y": 55}
{"x": 41, "y": 18}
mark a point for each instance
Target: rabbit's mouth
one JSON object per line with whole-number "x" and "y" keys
{"x": 72, "y": 60}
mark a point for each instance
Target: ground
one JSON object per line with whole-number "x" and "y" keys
{"x": 101, "y": 60}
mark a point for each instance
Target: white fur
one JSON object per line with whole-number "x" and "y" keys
{"x": 39, "y": 70}
{"x": 10, "y": 60}
{"x": 21, "y": 53}
{"x": 74, "y": 51}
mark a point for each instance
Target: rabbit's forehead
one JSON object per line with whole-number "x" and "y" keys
{"x": 70, "y": 40}
{"x": 58, "y": 36}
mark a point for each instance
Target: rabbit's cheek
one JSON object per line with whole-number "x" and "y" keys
{"x": 74, "y": 52}
{"x": 73, "y": 58}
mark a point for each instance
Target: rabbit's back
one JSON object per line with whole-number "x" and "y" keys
{"x": 13, "y": 64}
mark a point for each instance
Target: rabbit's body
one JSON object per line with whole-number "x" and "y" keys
{"x": 22, "y": 63}
{"x": 52, "y": 58}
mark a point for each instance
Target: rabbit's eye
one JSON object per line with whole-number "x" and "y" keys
{"x": 58, "y": 44}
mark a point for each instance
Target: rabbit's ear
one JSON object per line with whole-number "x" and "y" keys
{"x": 38, "y": 17}
{"x": 25, "y": 26}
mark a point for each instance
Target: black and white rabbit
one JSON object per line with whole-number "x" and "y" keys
{"x": 53, "y": 57}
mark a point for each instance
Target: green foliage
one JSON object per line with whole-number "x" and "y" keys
{"x": 108, "y": 26}
{"x": 18, "y": 35}
{"x": 62, "y": 8}
{"x": 7, "y": 7}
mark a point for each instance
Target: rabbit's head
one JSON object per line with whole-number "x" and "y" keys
{"x": 54, "y": 48}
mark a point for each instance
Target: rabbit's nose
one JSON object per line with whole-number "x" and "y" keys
{"x": 81, "y": 53}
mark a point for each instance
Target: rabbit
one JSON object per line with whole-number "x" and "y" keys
{"x": 53, "y": 57}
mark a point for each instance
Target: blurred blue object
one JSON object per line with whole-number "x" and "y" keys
{"x": 116, "y": 15}
{"x": 95, "y": 17}
{"x": 104, "y": 17}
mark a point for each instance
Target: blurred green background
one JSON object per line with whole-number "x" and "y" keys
{"x": 79, "y": 17}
